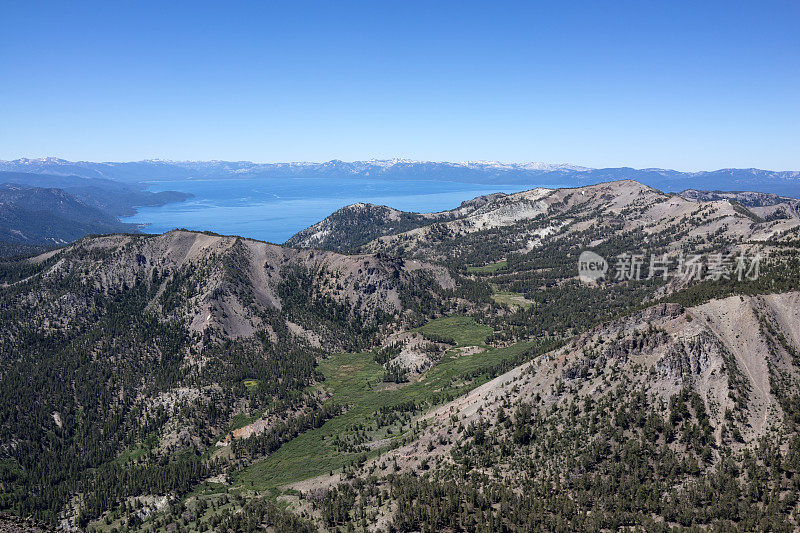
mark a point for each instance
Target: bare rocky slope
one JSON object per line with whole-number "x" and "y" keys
{"x": 355, "y": 225}
{"x": 225, "y": 283}
{"x": 522, "y": 221}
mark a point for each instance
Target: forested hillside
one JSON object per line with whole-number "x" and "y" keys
{"x": 39, "y": 212}
{"x": 47, "y": 217}
{"x": 453, "y": 372}
{"x": 112, "y": 197}
{"x": 126, "y": 358}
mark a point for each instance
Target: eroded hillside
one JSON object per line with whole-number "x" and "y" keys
{"x": 669, "y": 417}
{"x": 521, "y": 222}
{"x": 134, "y": 354}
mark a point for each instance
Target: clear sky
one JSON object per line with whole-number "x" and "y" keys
{"x": 686, "y": 85}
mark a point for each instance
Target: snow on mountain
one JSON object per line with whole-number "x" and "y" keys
{"x": 529, "y": 174}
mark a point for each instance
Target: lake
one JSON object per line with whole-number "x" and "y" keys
{"x": 274, "y": 209}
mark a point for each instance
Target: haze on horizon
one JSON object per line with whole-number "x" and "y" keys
{"x": 670, "y": 85}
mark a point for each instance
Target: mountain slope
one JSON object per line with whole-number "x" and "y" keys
{"x": 355, "y": 225}
{"x": 153, "y": 347}
{"x": 649, "y": 422}
{"x": 113, "y": 197}
{"x": 527, "y": 220}
{"x": 36, "y": 216}
{"x": 765, "y": 205}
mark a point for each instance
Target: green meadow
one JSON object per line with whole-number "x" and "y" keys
{"x": 353, "y": 380}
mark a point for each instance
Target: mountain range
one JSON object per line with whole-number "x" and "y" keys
{"x": 524, "y": 174}
{"x": 399, "y": 371}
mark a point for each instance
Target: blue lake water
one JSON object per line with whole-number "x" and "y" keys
{"x": 274, "y": 209}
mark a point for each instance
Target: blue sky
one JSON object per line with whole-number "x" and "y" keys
{"x": 686, "y": 85}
